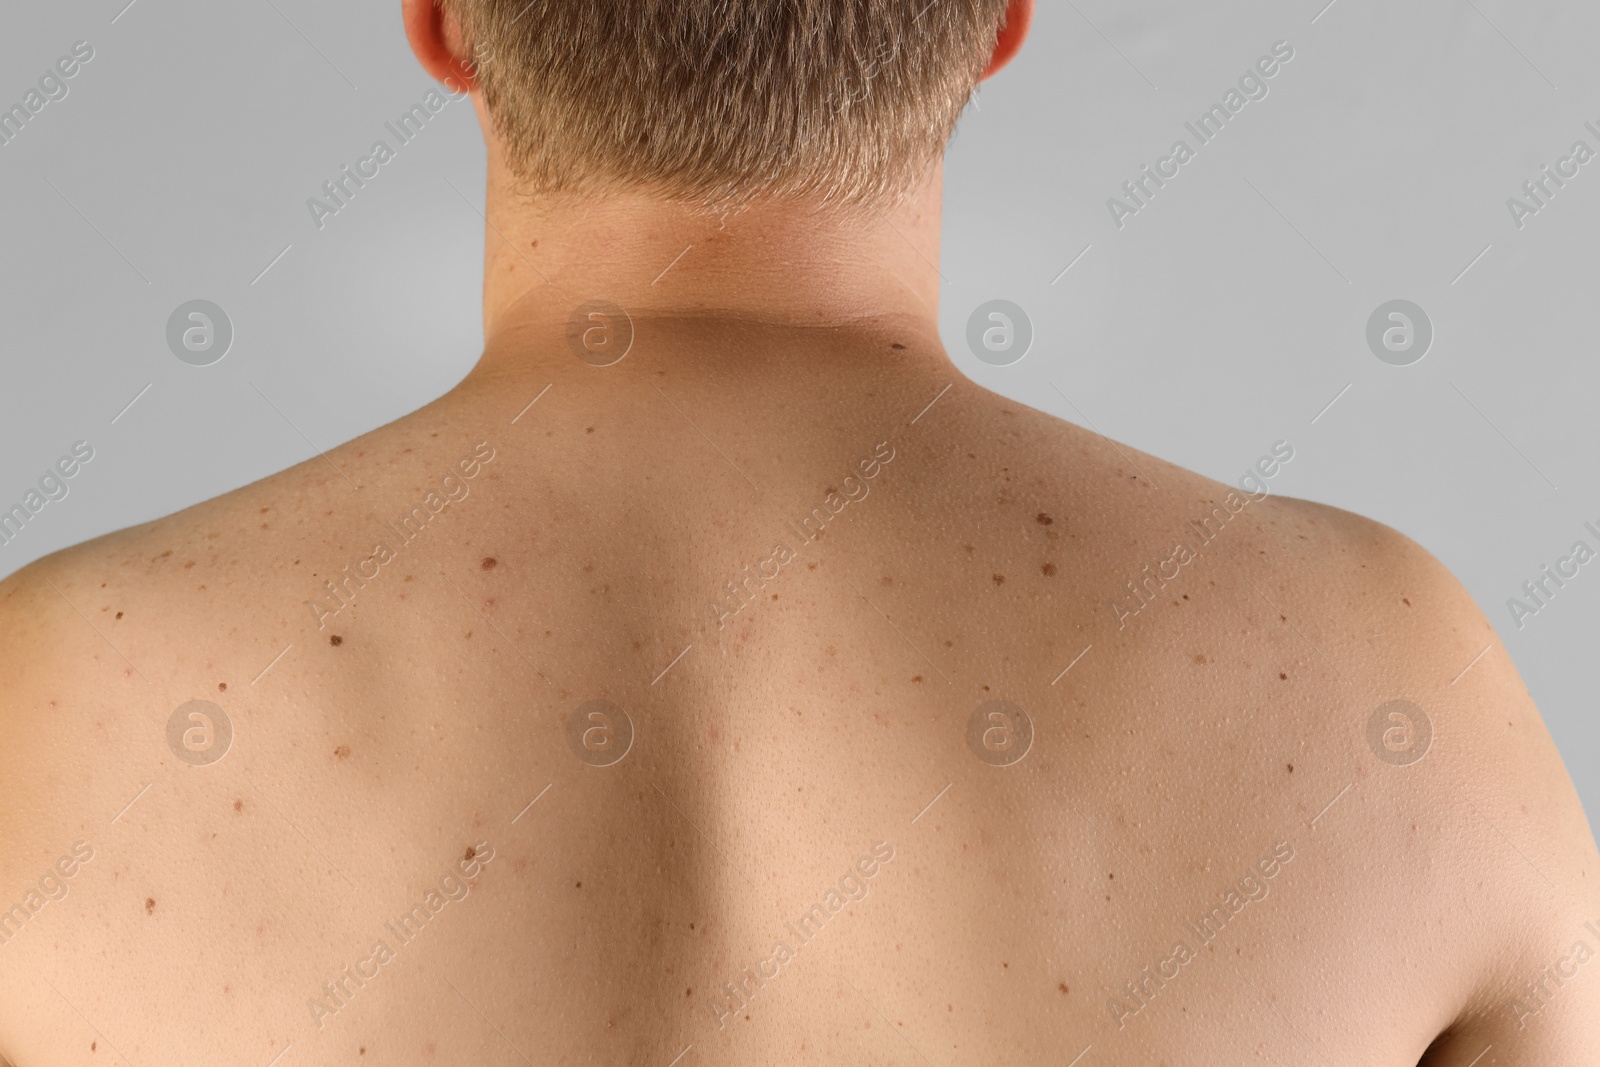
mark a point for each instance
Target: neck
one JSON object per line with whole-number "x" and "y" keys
{"x": 783, "y": 264}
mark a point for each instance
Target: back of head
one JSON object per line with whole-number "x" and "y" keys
{"x": 719, "y": 102}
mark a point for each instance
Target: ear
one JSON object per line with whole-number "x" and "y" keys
{"x": 1019, "y": 18}
{"x": 436, "y": 40}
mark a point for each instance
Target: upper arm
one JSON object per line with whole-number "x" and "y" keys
{"x": 1515, "y": 876}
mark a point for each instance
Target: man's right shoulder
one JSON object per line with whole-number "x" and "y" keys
{"x": 58, "y": 659}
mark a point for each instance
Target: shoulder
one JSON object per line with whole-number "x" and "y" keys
{"x": 1459, "y": 787}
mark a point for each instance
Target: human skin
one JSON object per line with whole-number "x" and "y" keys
{"x": 1219, "y": 732}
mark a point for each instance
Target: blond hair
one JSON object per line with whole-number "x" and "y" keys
{"x": 719, "y": 102}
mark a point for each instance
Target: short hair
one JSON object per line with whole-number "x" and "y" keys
{"x": 720, "y": 102}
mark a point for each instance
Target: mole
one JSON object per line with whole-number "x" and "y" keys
{"x": 335, "y": 640}
{"x": 489, "y": 563}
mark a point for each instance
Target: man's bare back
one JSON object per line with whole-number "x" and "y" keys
{"x": 778, "y": 695}
{"x": 728, "y": 680}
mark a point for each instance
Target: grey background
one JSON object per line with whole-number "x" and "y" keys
{"x": 1225, "y": 316}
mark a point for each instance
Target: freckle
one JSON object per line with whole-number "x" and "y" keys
{"x": 489, "y": 563}
{"x": 186, "y": 566}
{"x": 916, "y": 678}
{"x": 589, "y": 430}
{"x": 1049, "y": 570}
{"x": 1291, "y": 768}
{"x": 222, "y": 687}
{"x": 335, "y": 640}
{"x": 689, "y": 992}
{"x": 149, "y": 905}
{"x": 1199, "y": 658}
{"x": 1282, "y": 676}
{"x": 1005, "y": 965}
{"x": 119, "y": 614}
{"x": 580, "y": 885}
{"x": 969, "y": 548}
{"x": 1063, "y": 987}
{"x": 1406, "y": 602}
{"x": 238, "y": 805}
{"x": 343, "y": 752}
{"x": 999, "y": 579}
{"x": 165, "y": 554}
{"x": 93, "y": 1045}
{"x": 811, "y": 566}
{"x": 1042, "y": 519}
{"x": 410, "y": 578}
{"x": 774, "y": 596}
